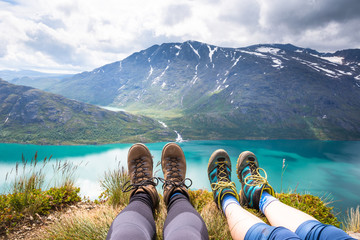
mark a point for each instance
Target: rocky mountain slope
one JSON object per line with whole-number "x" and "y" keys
{"x": 205, "y": 91}
{"x": 28, "y": 115}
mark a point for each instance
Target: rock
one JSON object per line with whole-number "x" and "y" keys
{"x": 354, "y": 235}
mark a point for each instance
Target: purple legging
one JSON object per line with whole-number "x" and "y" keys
{"x": 136, "y": 221}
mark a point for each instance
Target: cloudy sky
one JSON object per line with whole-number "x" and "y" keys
{"x": 79, "y": 35}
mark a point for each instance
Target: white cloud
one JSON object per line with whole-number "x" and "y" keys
{"x": 77, "y": 35}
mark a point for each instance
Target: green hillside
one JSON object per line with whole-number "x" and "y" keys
{"x": 28, "y": 115}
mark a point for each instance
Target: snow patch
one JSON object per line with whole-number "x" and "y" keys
{"x": 163, "y": 84}
{"x": 253, "y": 53}
{"x": 317, "y": 68}
{"x": 299, "y": 51}
{"x": 122, "y": 87}
{"x": 236, "y": 61}
{"x": 334, "y": 59}
{"x": 277, "y": 63}
{"x": 195, "y": 78}
{"x": 344, "y": 73}
{"x": 357, "y": 77}
{"x": 326, "y": 70}
{"x": 150, "y": 72}
{"x": 211, "y": 52}
{"x": 7, "y": 119}
{"x": 178, "y": 47}
{"x": 195, "y": 51}
{"x": 157, "y": 79}
{"x": 270, "y": 50}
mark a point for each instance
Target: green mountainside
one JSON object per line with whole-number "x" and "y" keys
{"x": 28, "y": 115}
{"x": 271, "y": 91}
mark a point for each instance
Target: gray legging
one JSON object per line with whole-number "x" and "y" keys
{"x": 137, "y": 222}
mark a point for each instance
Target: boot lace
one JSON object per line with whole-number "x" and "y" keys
{"x": 255, "y": 178}
{"x": 174, "y": 177}
{"x": 140, "y": 178}
{"x": 223, "y": 179}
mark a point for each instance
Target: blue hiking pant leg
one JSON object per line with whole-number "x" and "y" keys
{"x": 135, "y": 221}
{"x": 183, "y": 221}
{"x": 315, "y": 230}
{"x": 262, "y": 231}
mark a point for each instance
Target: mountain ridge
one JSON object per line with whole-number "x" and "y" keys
{"x": 263, "y": 91}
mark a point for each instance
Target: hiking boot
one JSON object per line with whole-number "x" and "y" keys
{"x": 173, "y": 165}
{"x": 252, "y": 183}
{"x": 219, "y": 172}
{"x": 140, "y": 165}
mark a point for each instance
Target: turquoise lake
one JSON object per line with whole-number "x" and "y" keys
{"x": 329, "y": 169}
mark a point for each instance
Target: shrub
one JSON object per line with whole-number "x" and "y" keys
{"x": 311, "y": 205}
{"x": 16, "y": 206}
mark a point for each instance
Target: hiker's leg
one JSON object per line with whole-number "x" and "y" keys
{"x": 257, "y": 193}
{"x": 314, "y": 229}
{"x": 280, "y": 214}
{"x": 136, "y": 221}
{"x": 242, "y": 224}
{"x": 183, "y": 221}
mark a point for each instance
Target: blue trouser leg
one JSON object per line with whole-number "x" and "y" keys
{"x": 315, "y": 230}
{"x": 262, "y": 231}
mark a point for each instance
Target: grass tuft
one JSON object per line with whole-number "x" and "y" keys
{"x": 352, "y": 222}
{"x": 112, "y": 185}
{"x": 27, "y": 198}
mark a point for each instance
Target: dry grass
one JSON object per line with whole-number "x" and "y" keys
{"x": 83, "y": 224}
{"x": 352, "y": 222}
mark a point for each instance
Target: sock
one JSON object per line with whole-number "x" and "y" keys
{"x": 174, "y": 194}
{"x": 227, "y": 200}
{"x": 265, "y": 200}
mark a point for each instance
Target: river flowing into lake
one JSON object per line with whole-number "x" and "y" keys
{"x": 329, "y": 169}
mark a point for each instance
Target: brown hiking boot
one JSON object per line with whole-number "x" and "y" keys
{"x": 140, "y": 165}
{"x": 174, "y": 168}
